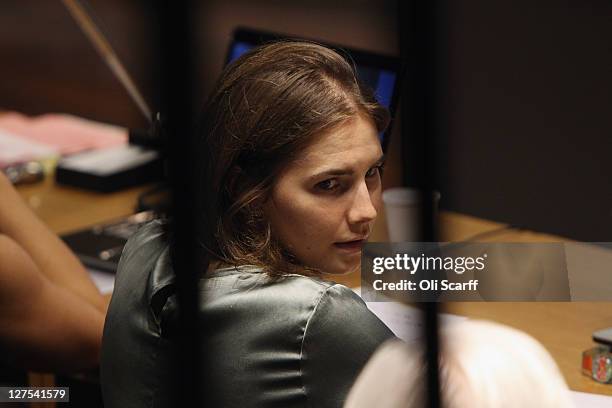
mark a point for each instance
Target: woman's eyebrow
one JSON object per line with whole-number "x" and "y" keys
{"x": 380, "y": 160}
{"x": 342, "y": 171}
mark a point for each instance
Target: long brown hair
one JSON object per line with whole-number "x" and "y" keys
{"x": 266, "y": 108}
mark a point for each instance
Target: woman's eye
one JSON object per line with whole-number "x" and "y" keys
{"x": 374, "y": 171}
{"x": 328, "y": 185}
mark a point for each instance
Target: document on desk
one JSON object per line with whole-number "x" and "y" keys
{"x": 405, "y": 321}
{"x": 14, "y": 149}
{"x": 105, "y": 281}
{"x": 586, "y": 400}
{"x": 64, "y": 134}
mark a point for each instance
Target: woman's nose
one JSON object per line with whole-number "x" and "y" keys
{"x": 362, "y": 209}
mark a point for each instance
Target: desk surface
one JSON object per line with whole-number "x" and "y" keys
{"x": 563, "y": 328}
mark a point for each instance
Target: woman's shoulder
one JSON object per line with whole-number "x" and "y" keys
{"x": 315, "y": 304}
{"x": 144, "y": 271}
{"x": 148, "y": 241}
{"x": 250, "y": 284}
{"x": 152, "y": 232}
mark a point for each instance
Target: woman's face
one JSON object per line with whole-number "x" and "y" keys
{"x": 324, "y": 204}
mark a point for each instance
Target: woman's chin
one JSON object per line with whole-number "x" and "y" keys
{"x": 341, "y": 268}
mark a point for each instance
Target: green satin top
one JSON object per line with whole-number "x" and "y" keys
{"x": 293, "y": 342}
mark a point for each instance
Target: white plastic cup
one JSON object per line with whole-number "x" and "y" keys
{"x": 403, "y": 213}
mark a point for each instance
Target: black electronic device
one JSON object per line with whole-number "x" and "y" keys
{"x": 109, "y": 170}
{"x": 99, "y": 247}
{"x": 603, "y": 336}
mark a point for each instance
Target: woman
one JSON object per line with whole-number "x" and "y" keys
{"x": 294, "y": 166}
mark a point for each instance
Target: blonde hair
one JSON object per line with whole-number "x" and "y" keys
{"x": 483, "y": 365}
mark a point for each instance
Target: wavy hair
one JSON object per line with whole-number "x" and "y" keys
{"x": 265, "y": 109}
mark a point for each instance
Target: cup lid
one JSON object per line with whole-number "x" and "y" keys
{"x": 405, "y": 195}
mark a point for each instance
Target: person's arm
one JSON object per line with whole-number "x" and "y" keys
{"x": 42, "y": 325}
{"x": 52, "y": 257}
{"x": 340, "y": 337}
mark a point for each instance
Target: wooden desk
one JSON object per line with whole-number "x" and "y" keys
{"x": 65, "y": 209}
{"x": 563, "y": 328}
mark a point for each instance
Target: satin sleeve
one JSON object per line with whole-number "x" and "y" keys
{"x": 341, "y": 335}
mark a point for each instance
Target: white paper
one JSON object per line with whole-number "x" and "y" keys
{"x": 105, "y": 281}
{"x": 586, "y": 400}
{"x": 15, "y": 149}
{"x": 107, "y": 161}
{"x": 403, "y": 320}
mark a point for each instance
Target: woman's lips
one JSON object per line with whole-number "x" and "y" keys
{"x": 350, "y": 246}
